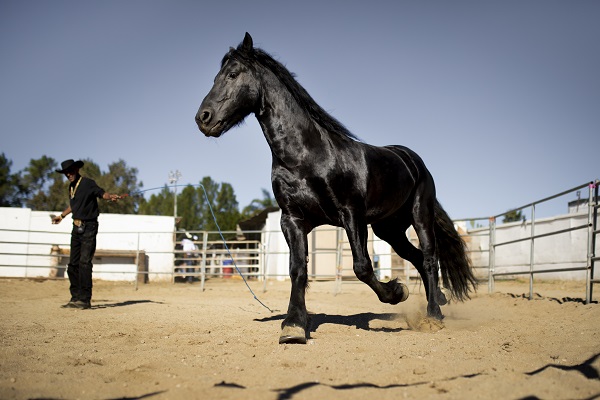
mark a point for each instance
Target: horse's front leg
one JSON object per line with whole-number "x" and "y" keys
{"x": 294, "y": 327}
{"x": 392, "y": 292}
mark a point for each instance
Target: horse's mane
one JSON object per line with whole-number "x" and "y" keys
{"x": 288, "y": 79}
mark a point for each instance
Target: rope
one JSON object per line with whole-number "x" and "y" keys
{"x": 220, "y": 234}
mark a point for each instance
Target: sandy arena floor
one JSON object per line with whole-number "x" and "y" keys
{"x": 172, "y": 341}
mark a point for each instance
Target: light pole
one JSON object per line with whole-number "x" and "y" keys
{"x": 173, "y": 179}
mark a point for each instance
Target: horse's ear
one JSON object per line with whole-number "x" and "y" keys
{"x": 247, "y": 43}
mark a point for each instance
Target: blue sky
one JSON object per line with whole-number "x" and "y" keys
{"x": 500, "y": 98}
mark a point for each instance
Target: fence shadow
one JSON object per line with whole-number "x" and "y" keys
{"x": 144, "y": 396}
{"x": 559, "y": 300}
{"x": 289, "y": 393}
{"x": 585, "y": 368}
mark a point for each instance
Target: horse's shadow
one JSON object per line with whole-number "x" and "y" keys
{"x": 359, "y": 321}
{"x": 123, "y": 304}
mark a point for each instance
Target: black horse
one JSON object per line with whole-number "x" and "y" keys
{"x": 323, "y": 174}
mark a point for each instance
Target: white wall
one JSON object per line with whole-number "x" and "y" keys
{"x": 26, "y": 239}
{"x": 277, "y": 257}
{"x": 277, "y": 251}
{"x": 565, "y": 250}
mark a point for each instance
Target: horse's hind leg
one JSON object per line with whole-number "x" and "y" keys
{"x": 423, "y": 222}
{"x": 392, "y": 292}
{"x": 393, "y": 231}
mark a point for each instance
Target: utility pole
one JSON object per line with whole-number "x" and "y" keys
{"x": 173, "y": 179}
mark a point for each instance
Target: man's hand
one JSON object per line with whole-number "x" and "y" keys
{"x": 113, "y": 197}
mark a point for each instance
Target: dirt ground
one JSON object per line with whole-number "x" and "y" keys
{"x": 173, "y": 341}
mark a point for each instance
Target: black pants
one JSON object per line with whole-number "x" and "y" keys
{"x": 83, "y": 247}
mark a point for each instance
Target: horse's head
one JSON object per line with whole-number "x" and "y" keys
{"x": 234, "y": 95}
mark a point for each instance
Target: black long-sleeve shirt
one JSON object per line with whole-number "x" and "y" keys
{"x": 84, "y": 199}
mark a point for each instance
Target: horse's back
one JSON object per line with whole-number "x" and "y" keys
{"x": 395, "y": 174}
{"x": 396, "y": 165}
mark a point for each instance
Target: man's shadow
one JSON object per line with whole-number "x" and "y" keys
{"x": 123, "y": 304}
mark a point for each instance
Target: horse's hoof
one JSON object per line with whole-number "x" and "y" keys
{"x": 434, "y": 310}
{"x": 395, "y": 292}
{"x": 292, "y": 334}
{"x": 420, "y": 323}
{"x": 405, "y": 292}
{"x": 435, "y": 314}
{"x": 442, "y": 297}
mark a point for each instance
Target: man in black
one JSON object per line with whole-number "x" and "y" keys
{"x": 83, "y": 203}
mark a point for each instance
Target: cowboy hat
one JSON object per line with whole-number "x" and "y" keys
{"x": 67, "y": 164}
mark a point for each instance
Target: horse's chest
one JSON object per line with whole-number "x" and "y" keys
{"x": 321, "y": 195}
{"x": 308, "y": 189}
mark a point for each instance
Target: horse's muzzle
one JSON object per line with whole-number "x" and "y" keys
{"x": 205, "y": 127}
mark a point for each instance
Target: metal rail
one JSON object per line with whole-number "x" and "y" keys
{"x": 209, "y": 259}
{"x": 590, "y": 257}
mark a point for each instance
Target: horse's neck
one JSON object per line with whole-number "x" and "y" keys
{"x": 290, "y": 132}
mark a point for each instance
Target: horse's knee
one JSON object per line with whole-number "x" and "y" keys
{"x": 298, "y": 273}
{"x": 299, "y": 270}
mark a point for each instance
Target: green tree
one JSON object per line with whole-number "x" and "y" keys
{"x": 223, "y": 203}
{"x": 35, "y": 181}
{"x": 226, "y": 209}
{"x": 8, "y": 184}
{"x": 258, "y": 205}
{"x": 513, "y": 216}
{"x": 119, "y": 179}
{"x": 192, "y": 208}
{"x": 195, "y": 212}
{"x": 189, "y": 208}
{"x": 56, "y": 197}
{"x": 211, "y": 187}
{"x": 42, "y": 188}
{"x": 158, "y": 204}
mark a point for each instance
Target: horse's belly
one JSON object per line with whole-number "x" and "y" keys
{"x": 387, "y": 202}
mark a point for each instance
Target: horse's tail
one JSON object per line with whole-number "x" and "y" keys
{"x": 455, "y": 265}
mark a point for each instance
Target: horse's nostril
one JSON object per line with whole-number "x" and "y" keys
{"x": 205, "y": 116}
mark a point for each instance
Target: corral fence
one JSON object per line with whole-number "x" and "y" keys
{"x": 529, "y": 247}
{"x": 45, "y": 253}
{"x": 253, "y": 255}
{"x": 556, "y": 246}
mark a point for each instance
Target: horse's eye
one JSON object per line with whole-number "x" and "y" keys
{"x": 232, "y": 75}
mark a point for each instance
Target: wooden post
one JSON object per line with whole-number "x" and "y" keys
{"x": 142, "y": 267}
